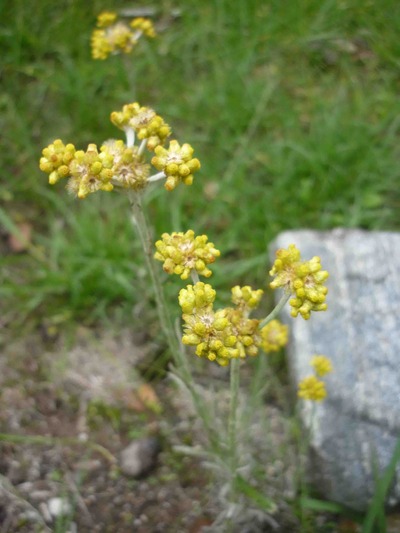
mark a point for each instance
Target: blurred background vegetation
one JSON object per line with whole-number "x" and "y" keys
{"x": 292, "y": 107}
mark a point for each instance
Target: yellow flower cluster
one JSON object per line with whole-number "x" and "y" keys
{"x": 246, "y": 329}
{"x": 246, "y": 297}
{"x": 248, "y": 338}
{"x": 144, "y": 122}
{"x": 143, "y": 25}
{"x": 177, "y": 164}
{"x": 122, "y": 165}
{"x": 218, "y": 335}
{"x": 321, "y": 364}
{"x": 224, "y": 334}
{"x": 113, "y": 37}
{"x": 183, "y": 253}
{"x": 311, "y": 387}
{"x": 129, "y": 169}
{"x": 274, "y": 336}
{"x": 303, "y": 279}
{"x": 106, "y": 18}
{"x": 56, "y": 160}
{"x": 210, "y": 331}
{"x": 90, "y": 171}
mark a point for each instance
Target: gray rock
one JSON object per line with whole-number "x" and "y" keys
{"x": 353, "y": 433}
{"x": 137, "y": 459}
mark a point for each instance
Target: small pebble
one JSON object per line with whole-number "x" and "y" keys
{"x": 58, "y": 507}
{"x": 140, "y": 457}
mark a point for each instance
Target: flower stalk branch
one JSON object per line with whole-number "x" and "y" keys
{"x": 275, "y": 311}
{"x": 147, "y": 245}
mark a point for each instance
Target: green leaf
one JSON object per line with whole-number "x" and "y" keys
{"x": 324, "y": 506}
{"x": 254, "y": 494}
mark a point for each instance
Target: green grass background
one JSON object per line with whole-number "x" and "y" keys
{"x": 292, "y": 107}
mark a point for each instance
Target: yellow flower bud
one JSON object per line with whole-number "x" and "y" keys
{"x": 200, "y": 328}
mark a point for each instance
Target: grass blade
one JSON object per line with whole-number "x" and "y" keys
{"x": 376, "y": 509}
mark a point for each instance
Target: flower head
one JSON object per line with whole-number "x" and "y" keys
{"x": 56, "y": 160}
{"x": 274, "y": 336}
{"x": 90, "y": 172}
{"x": 143, "y": 25}
{"x": 321, "y": 364}
{"x": 183, "y": 253}
{"x": 128, "y": 169}
{"x": 112, "y": 40}
{"x": 210, "y": 331}
{"x": 196, "y": 297}
{"x": 145, "y": 123}
{"x": 177, "y": 164}
{"x": 246, "y": 297}
{"x": 106, "y": 18}
{"x": 115, "y": 37}
{"x": 245, "y": 330}
{"x": 218, "y": 335}
{"x": 312, "y": 388}
{"x": 304, "y": 279}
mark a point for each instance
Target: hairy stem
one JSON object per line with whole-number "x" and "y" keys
{"x": 130, "y": 76}
{"x": 146, "y": 240}
{"x": 232, "y": 424}
{"x": 194, "y": 276}
{"x": 275, "y": 311}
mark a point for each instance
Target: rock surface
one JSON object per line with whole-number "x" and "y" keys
{"x": 355, "y": 430}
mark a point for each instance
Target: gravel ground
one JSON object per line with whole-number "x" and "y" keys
{"x": 66, "y": 414}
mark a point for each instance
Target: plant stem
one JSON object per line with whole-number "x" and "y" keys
{"x": 178, "y": 355}
{"x": 130, "y": 76}
{"x": 194, "y": 276}
{"x": 275, "y": 311}
{"x": 305, "y": 440}
{"x": 146, "y": 240}
{"x": 232, "y": 423}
